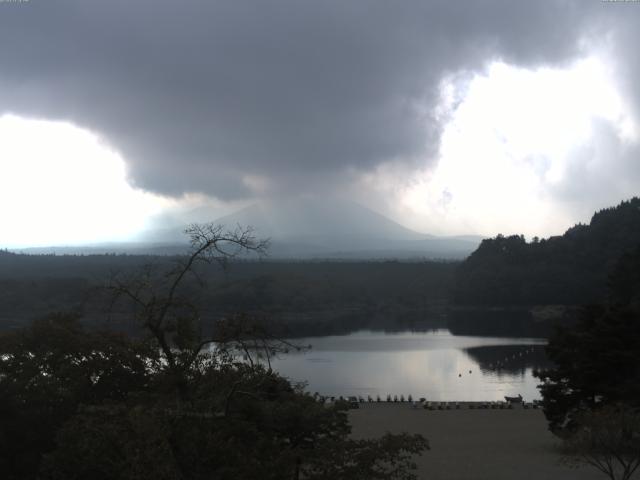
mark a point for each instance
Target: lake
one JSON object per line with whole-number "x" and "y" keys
{"x": 435, "y": 364}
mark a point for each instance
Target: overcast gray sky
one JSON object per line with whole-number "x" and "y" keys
{"x": 448, "y": 116}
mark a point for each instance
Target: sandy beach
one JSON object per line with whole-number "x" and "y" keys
{"x": 474, "y": 444}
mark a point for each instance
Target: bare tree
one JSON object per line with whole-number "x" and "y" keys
{"x": 252, "y": 337}
{"x": 164, "y": 307}
{"x": 609, "y": 440}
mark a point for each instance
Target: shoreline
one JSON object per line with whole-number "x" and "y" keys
{"x": 422, "y": 404}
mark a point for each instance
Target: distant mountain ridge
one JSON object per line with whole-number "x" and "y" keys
{"x": 305, "y": 229}
{"x": 309, "y": 219}
{"x": 568, "y": 269}
{"x": 340, "y": 229}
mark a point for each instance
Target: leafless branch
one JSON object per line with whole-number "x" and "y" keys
{"x": 155, "y": 298}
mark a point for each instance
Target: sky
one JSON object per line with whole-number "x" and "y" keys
{"x": 466, "y": 117}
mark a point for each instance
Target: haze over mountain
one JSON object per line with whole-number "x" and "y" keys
{"x": 302, "y": 228}
{"x": 335, "y": 228}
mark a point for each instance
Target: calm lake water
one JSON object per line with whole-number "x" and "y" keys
{"x": 436, "y": 364}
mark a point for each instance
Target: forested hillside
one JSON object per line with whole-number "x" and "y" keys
{"x": 570, "y": 269}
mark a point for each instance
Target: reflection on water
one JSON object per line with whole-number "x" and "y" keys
{"x": 511, "y": 359}
{"x": 436, "y": 365}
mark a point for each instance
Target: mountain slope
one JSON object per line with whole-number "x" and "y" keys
{"x": 303, "y": 229}
{"x": 339, "y": 229}
{"x": 326, "y": 219}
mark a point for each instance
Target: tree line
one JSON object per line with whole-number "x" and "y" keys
{"x": 571, "y": 269}
{"x": 310, "y": 298}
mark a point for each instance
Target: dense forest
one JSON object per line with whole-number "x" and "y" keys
{"x": 571, "y": 269}
{"x": 306, "y": 298}
{"x": 595, "y": 363}
{"x": 505, "y": 277}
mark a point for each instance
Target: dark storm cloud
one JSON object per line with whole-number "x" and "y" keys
{"x": 198, "y": 94}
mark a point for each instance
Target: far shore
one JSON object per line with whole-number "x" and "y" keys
{"x": 474, "y": 444}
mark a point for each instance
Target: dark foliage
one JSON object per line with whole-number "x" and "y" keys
{"x": 608, "y": 440}
{"x": 309, "y": 298}
{"x": 571, "y": 269}
{"x": 597, "y": 362}
{"x": 624, "y": 283}
{"x": 78, "y": 404}
{"x": 47, "y": 371}
{"x": 184, "y": 404}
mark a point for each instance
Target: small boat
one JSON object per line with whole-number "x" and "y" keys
{"x": 517, "y": 399}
